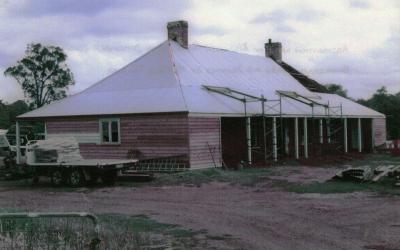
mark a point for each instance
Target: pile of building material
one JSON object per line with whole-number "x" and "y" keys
{"x": 366, "y": 174}
{"x": 355, "y": 174}
{"x": 57, "y": 149}
{"x": 391, "y": 171}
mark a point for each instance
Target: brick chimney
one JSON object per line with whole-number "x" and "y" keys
{"x": 273, "y": 50}
{"x": 178, "y": 32}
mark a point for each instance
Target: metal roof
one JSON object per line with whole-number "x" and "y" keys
{"x": 170, "y": 78}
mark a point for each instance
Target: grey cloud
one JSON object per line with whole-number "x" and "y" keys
{"x": 284, "y": 28}
{"x": 208, "y": 30}
{"x": 6, "y": 59}
{"x": 309, "y": 15}
{"x": 89, "y": 7}
{"x": 277, "y": 16}
{"x": 101, "y": 18}
{"x": 359, "y": 4}
{"x": 281, "y": 16}
{"x": 135, "y": 19}
{"x": 363, "y": 74}
{"x": 51, "y": 7}
{"x": 277, "y": 19}
{"x": 386, "y": 57}
{"x": 121, "y": 29}
{"x": 132, "y": 24}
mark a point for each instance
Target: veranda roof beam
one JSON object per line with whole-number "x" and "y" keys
{"x": 293, "y": 95}
{"x": 225, "y": 93}
{"x": 233, "y": 94}
{"x": 294, "y": 98}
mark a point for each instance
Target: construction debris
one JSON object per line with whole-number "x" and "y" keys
{"x": 60, "y": 149}
{"x": 365, "y": 174}
{"x": 383, "y": 171}
{"x": 355, "y": 174}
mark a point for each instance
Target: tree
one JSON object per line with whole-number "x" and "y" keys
{"x": 43, "y": 74}
{"x": 17, "y": 108}
{"x": 8, "y": 112}
{"x": 4, "y": 117}
{"x": 336, "y": 89}
{"x": 389, "y": 105}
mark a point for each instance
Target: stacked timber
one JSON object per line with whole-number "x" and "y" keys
{"x": 57, "y": 149}
{"x": 45, "y": 155}
{"x": 367, "y": 174}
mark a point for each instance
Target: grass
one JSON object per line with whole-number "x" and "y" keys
{"x": 254, "y": 176}
{"x": 384, "y": 187}
{"x": 246, "y": 177}
{"x": 139, "y": 231}
{"x": 45, "y": 232}
{"x": 134, "y": 232}
{"x": 375, "y": 160}
{"x": 117, "y": 231}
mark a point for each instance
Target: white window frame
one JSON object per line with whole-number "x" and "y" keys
{"x": 109, "y": 120}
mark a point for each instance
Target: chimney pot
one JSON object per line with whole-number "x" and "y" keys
{"x": 178, "y": 32}
{"x": 273, "y": 50}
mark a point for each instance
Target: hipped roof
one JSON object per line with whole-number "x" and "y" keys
{"x": 170, "y": 78}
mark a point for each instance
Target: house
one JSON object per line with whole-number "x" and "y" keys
{"x": 209, "y": 106}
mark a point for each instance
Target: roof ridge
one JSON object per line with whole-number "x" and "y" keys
{"x": 176, "y": 73}
{"x": 228, "y": 50}
{"x": 308, "y": 82}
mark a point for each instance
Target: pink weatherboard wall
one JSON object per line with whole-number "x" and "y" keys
{"x": 156, "y": 135}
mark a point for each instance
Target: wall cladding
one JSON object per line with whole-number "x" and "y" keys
{"x": 152, "y": 135}
{"x": 379, "y": 127}
{"x": 204, "y": 135}
{"x": 80, "y": 137}
{"x": 72, "y": 125}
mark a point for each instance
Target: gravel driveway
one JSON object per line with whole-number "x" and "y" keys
{"x": 259, "y": 217}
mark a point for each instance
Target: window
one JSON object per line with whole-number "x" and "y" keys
{"x": 109, "y": 131}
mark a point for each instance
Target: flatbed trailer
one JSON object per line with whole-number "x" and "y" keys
{"x": 80, "y": 172}
{"x": 60, "y": 159}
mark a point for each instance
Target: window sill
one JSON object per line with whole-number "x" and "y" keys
{"x": 109, "y": 143}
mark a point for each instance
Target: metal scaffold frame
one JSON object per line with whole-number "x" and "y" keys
{"x": 309, "y": 102}
{"x": 329, "y": 111}
{"x": 333, "y": 129}
{"x": 265, "y": 106}
{"x": 273, "y": 108}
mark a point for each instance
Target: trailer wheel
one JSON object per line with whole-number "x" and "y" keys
{"x": 93, "y": 178}
{"x": 57, "y": 177}
{"x": 76, "y": 177}
{"x": 109, "y": 177}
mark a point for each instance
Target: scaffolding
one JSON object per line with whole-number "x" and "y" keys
{"x": 244, "y": 98}
{"x": 331, "y": 112}
{"x": 335, "y": 126}
{"x": 273, "y": 108}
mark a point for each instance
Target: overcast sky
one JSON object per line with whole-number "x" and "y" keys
{"x": 355, "y": 43}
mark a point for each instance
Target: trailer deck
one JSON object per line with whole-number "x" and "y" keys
{"x": 88, "y": 163}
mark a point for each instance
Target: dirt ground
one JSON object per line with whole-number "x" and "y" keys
{"x": 258, "y": 217}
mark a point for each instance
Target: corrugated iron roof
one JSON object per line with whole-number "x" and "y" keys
{"x": 170, "y": 78}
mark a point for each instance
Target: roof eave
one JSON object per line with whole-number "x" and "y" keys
{"x": 39, "y": 118}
